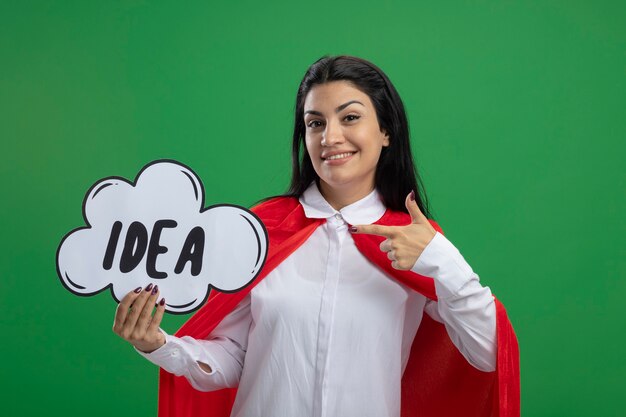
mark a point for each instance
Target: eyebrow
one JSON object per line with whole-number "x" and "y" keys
{"x": 338, "y": 109}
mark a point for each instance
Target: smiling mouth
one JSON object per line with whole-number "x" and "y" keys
{"x": 339, "y": 156}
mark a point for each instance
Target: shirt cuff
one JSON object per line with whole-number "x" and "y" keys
{"x": 172, "y": 356}
{"x": 443, "y": 262}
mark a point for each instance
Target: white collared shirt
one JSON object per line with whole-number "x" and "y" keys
{"x": 327, "y": 333}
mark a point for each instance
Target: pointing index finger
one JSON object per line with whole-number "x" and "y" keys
{"x": 374, "y": 229}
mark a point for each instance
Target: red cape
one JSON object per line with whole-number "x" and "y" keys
{"x": 438, "y": 380}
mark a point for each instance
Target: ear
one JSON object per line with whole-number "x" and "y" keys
{"x": 385, "y": 138}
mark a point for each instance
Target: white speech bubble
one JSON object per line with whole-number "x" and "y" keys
{"x": 156, "y": 230}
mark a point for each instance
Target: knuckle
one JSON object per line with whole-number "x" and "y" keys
{"x": 128, "y": 298}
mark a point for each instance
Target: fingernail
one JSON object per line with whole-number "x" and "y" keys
{"x": 162, "y": 302}
{"x": 155, "y": 289}
{"x": 352, "y": 229}
{"x": 137, "y": 290}
{"x": 412, "y": 195}
{"x": 149, "y": 287}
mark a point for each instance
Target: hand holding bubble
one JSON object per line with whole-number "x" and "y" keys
{"x": 134, "y": 321}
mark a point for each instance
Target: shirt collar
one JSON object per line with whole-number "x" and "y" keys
{"x": 364, "y": 211}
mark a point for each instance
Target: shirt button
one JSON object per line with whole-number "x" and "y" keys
{"x": 175, "y": 353}
{"x": 338, "y": 216}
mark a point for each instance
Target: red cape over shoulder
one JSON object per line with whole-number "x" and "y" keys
{"x": 437, "y": 381}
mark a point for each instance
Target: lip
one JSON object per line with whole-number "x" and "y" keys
{"x": 337, "y": 161}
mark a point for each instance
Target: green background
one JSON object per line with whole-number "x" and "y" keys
{"x": 517, "y": 112}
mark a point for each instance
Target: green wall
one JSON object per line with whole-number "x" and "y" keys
{"x": 516, "y": 126}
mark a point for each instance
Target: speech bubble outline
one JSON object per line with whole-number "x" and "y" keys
{"x": 254, "y": 224}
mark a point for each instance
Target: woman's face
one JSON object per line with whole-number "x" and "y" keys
{"x": 343, "y": 137}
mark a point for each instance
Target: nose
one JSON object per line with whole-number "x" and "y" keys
{"x": 332, "y": 134}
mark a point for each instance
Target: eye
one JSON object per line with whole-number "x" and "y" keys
{"x": 352, "y": 117}
{"x": 314, "y": 123}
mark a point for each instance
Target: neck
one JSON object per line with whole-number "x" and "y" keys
{"x": 340, "y": 197}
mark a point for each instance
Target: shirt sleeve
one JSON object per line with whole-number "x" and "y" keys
{"x": 223, "y": 351}
{"x": 464, "y": 306}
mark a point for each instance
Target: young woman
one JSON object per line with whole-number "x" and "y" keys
{"x": 329, "y": 328}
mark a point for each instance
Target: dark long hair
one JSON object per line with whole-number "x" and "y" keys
{"x": 396, "y": 174}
